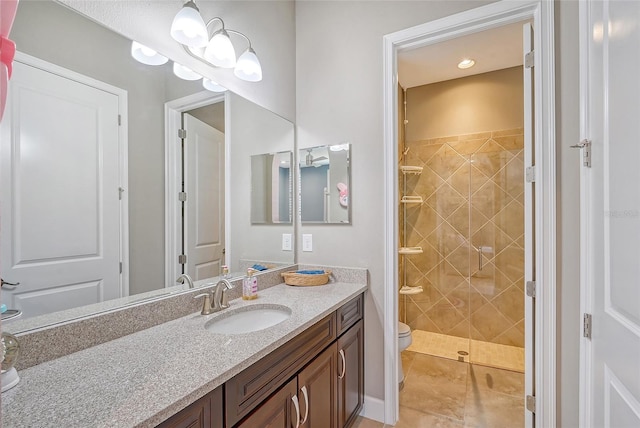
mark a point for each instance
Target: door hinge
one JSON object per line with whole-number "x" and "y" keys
{"x": 585, "y": 145}
{"x": 531, "y": 289}
{"x": 531, "y": 403}
{"x": 528, "y": 59}
{"x": 182, "y": 196}
{"x": 182, "y": 259}
{"x": 119, "y": 120}
{"x": 586, "y": 326}
{"x": 182, "y": 133}
{"x": 530, "y": 174}
{"x": 120, "y": 267}
{"x": 120, "y": 192}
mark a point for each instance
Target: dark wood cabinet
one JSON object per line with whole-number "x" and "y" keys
{"x": 207, "y": 412}
{"x": 318, "y": 391}
{"x": 278, "y": 411}
{"x": 351, "y": 374}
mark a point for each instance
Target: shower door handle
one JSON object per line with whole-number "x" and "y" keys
{"x": 479, "y": 249}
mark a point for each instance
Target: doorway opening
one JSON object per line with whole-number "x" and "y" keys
{"x": 463, "y": 199}
{"x": 461, "y": 148}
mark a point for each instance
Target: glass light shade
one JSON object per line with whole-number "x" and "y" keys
{"x": 188, "y": 27}
{"x": 212, "y": 86}
{"x": 220, "y": 51}
{"x": 146, "y": 55}
{"x": 248, "y": 67}
{"x": 185, "y": 72}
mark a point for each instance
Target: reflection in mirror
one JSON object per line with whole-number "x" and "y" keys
{"x": 324, "y": 178}
{"x": 84, "y": 194}
{"x": 271, "y": 188}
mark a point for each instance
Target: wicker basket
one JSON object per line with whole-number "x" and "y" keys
{"x": 302, "y": 279}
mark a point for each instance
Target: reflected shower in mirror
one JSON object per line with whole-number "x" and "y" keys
{"x": 271, "y": 188}
{"x": 324, "y": 178}
{"x": 69, "y": 191}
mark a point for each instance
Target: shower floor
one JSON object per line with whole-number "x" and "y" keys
{"x": 478, "y": 352}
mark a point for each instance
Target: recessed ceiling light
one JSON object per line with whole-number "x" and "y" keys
{"x": 466, "y": 63}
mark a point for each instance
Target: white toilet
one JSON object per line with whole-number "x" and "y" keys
{"x": 404, "y": 341}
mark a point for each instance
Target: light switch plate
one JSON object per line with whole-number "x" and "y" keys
{"x": 286, "y": 242}
{"x": 307, "y": 242}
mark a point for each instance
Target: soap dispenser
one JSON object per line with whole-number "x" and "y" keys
{"x": 249, "y": 286}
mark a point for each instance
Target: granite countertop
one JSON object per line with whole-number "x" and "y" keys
{"x": 142, "y": 379}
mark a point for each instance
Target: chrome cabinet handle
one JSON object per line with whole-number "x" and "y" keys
{"x": 344, "y": 364}
{"x": 297, "y": 406}
{"x": 8, "y": 285}
{"x": 306, "y": 404}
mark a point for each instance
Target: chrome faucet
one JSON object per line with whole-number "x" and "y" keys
{"x": 215, "y": 299}
{"x": 184, "y": 277}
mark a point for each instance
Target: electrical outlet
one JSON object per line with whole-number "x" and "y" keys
{"x": 307, "y": 242}
{"x": 286, "y": 242}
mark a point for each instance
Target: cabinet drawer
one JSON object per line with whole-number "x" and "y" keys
{"x": 349, "y": 314}
{"x": 204, "y": 413}
{"x": 254, "y": 384}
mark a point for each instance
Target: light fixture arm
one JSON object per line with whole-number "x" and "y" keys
{"x": 215, "y": 18}
{"x": 240, "y": 34}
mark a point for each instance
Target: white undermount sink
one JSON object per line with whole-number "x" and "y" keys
{"x": 248, "y": 319}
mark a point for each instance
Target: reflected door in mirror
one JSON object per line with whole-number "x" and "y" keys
{"x": 60, "y": 191}
{"x": 271, "y": 188}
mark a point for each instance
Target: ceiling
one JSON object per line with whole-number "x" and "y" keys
{"x": 492, "y": 50}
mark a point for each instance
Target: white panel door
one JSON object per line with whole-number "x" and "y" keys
{"x": 611, "y": 213}
{"x": 204, "y": 208}
{"x": 60, "y": 226}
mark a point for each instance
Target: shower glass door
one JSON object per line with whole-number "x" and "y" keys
{"x": 496, "y": 252}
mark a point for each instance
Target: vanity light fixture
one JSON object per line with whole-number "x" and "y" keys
{"x": 466, "y": 63}
{"x": 219, "y": 50}
{"x": 188, "y": 27}
{"x": 185, "y": 72}
{"x": 212, "y": 86}
{"x": 147, "y": 55}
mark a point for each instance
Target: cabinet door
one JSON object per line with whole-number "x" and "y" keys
{"x": 278, "y": 411}
{"x": 207, "y": 412}
{"x": 350, "y": 374}
{"x": 318, "y": 391}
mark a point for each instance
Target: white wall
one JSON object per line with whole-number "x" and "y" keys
{"x": 339, "y": 98}
{"x": 269, "y": 25}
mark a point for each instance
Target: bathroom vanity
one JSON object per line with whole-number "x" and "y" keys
{"x": 307, "y": 369}
{"x": 315, "y": 379}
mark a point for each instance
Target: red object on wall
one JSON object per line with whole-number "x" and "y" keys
{"x": 8, "y": 10}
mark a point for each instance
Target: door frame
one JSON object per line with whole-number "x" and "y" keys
{"x": 173, "y": 122}
{"x": 471, "y": 21}
{"x": 123, "y": 148}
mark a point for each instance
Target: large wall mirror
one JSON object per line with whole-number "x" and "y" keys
{"x": 324, "y": 177}
{"x": 66, "y": 208}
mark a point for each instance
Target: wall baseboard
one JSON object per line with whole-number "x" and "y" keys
{"x": 373, "y": 408}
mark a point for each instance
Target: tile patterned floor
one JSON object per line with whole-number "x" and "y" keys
{"x": 478, "y": 352}
{"x": 440, "y": 392}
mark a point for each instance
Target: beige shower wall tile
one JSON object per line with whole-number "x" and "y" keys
{"x": 511, "y": 337}
{"x": 445, "y": 239}
{"x": 475, "y": 136}
{"x": 511, "y": 220}
{"x": 459, "y": 180}
{"x": 511, "y": 304}
{"x": 511, "y": 178}
{"x": 459, "y": 259}
{"x": 423, "y": 322}
{"x": 511, "y": 262}
{"x": 459, "y": 220}
{"x": 445, "y": 277}
{"x": 427, "y": 184}
{"x": 445, "y": 315}
{"x": 490, "y": 322}
{"x": 426, "y": 151}
{"x": 445, "y": 162}
{"x": 513, "y": 142}
{"x": 490, "y": 199}
{"x": 508, "y": 132}
{"x": 467, "y": 147}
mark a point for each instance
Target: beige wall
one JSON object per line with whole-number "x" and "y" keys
{"x": 484, "y": 102}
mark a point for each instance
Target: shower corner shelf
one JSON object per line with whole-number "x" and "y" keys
{"x": 411, "y": 200}
{"x": 406, "y": 289}
{"x": 406, "y": 169}
{"x": 410, "y": 250}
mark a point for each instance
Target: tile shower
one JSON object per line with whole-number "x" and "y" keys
{"x": 470, "y": 228}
